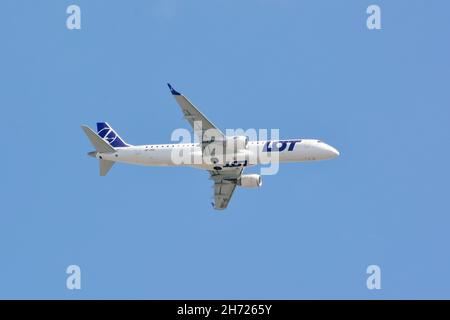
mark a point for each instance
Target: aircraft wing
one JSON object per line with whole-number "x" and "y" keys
{"x": 197, "y": 120}
{"x": 225, "y": 182}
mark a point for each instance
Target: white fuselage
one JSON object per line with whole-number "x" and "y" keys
{"x": 256, "y": 152}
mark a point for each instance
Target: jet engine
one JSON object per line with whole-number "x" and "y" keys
{"x": 250, "y": 181}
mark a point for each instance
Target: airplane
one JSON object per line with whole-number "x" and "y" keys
{"x": 224, "y": 157}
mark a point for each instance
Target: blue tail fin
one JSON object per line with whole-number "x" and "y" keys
{"x": 108, "y": 134}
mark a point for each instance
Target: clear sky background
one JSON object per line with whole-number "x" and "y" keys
{"x": 310, "y": 68}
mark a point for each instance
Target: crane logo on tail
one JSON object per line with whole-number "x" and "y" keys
{"x": 108, "y": 134}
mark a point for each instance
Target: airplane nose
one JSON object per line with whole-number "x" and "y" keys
{"x": 330, "y": 152}
{"x": 334, "y": 151}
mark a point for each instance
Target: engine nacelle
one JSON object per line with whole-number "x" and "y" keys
{"x": 250, "y": 181}
{"x": 236, "y": 144}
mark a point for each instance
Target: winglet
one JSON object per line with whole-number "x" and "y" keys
{"x": 173, "y": 91}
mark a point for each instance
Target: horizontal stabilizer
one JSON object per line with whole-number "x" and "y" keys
{"x": 99, "y": 144}
{"x": 105, "y": 166}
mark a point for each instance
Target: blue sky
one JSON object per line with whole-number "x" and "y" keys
{"x": 310, "y": 68}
